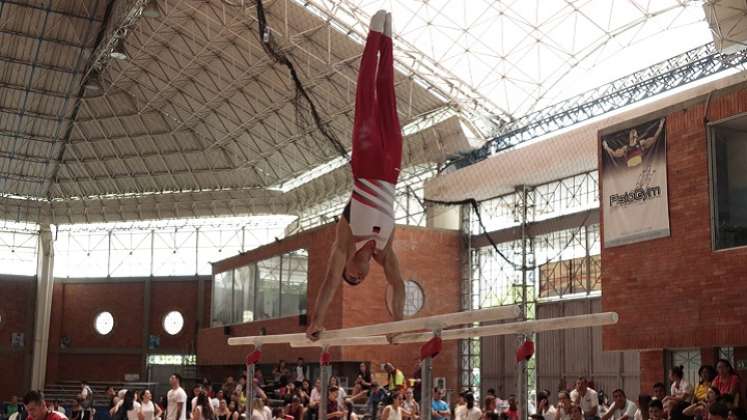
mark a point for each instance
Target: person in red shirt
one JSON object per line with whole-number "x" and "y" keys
{"x": 513, "y": 410}
{"x": 37, "y": 407}
{"x": 727, "y": 380}
{"x": 366, "y": 229}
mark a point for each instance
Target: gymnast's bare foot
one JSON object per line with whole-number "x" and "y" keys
{"x": 377, "y": 21}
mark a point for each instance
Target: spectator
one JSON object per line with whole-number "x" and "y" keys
{"x": 281, "y": 373}
{"x": 393, "y": 411}
{"x": 316, "y": 397}
{"x": 660, "y": 392}
{"x": 334, "y": 382}
{"x": 203, "y": 409}
{"x": 295, "y": 409}
{"x": 622, "y": 408}
{"x": 680, "y": 389}
{"x": 76, "y": 411}
{"x": 489, "y": 406}
{"x": 148, "y": 409}
{"x": 440, "y": 410}
{"x": 196, "y": 391}
{"x": 223, "y": 412}
{"x": 364, "y": 376}
{"x": 727, "y": 380}
{"x": 300, "y": 370}
{"x": 490, "y": 393}
{"x": 287, "y": 392}
{"x": 718, "y": 411}
{"x": 586, "y": 398}
{"x": 127, "y": 408}
{"x": 86, "y": 399}
{"x": 277, "y": 414}
{"x": 378, "y": 394}
{"x": 304, "y": 392}
{"x": 111, "y": 396}
{"x": 37, "y": 407}
{"x": 563, "y": 411}
{"x": 469, "y": 411}
{"x": 229, "y": 386}
{"x": 544, "y": 408}
{"x": 358, "y": 394}
{"x": 11, "y": 407}
{"x": 257, "y": 410}
{"x": 233, "y": 408}
{"x": 644, "y": 401}
{"x": 334, "y": 407}
{"x": 700, "y": 408}
{"x": 655, "y": 410}
{"x": 513, "y": 409}
{"x": 177, "y": 399}
{"x": 706, "y": 373}
{"x": 395, "y": 378}
{"x": 576, "y": 412}
{"x": 410, "y": 407}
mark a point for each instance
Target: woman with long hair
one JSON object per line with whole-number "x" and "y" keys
{"x": 410, "y": 407}
{"x": 203, "y": 410}
{"x": 257, "y": 410}
{"x": 148, "y": 409}
{"x": 727, "y": 380}
{"x": 335, "y": 382}
{"x": 127, "y": 408}
{"x": 706, "y": 373}
{"x": 469, "y": 411}
{"x": 223, "y": 412}
{"x": 364, "y": 376}
{"x": 393, "y": 411}
{"x": 350, "y": 411}
{"x": 700, "y": 409}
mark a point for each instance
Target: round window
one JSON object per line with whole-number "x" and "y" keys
{"x": 104, "y": 323}
{"x": 414, "y": 297}
{"x": 173, "y": 322}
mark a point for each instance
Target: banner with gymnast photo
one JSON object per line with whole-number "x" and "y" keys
{"x": 634, "y": 184}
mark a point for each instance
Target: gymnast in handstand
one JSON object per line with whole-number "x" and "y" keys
{"x": 366, "y": 229}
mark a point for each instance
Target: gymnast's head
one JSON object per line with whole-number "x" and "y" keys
{"x": 357, "y": 266}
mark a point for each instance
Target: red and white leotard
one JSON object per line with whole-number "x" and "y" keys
{"x": 377, "y": 146}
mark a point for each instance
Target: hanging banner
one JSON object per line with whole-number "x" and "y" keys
{"x": 634, "y": 184}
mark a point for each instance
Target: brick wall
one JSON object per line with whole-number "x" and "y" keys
{"x": 431, "y": 257}
{"x": 76, "y": 304}
{"x": 17, "y": 313}
{"x": 676, "y": 292}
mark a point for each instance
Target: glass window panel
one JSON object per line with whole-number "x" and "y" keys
{"x": 130, "y": 254}
{"x": 222, "y": 298}
{"x": 267, "y": 302}
{"x": 215, "y": 244}
{"x": 86, "y": 253}
{"x": 174, "y": 251}
{"x": 729, "y": 181}
{"x": 243, "y": 298}
{"x": 18, "y": 252}
{"x": 295, "y": 280}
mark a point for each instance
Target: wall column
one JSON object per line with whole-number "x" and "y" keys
{"x": 44, "y": 286}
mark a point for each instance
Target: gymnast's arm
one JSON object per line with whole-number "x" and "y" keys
{"x": 618, "y": 153}
{"x": 337, "y": 259}
{"x": 646, "y": 143}
{"x": 388, "y": 260}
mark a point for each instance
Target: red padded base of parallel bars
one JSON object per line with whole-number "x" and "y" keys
{"x": 253, "y": 357}
{"x": 431, "y": 348}
{"x": 325, "y": 358}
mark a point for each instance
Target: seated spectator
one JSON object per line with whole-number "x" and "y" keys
{"x": 655, "y": 410}
{"x": 727, "y": 380}
{"x": 410, "y": 407}
{"x": 364, "y": 376}
{"x": 281, "y": 373}
{"x": 358, "y": 395}
{"x": 706, "y": 374}
{"x": 563, "y": 410}
{"x": 544, "y": 408}
{"x": 393, "y": 410}
{"x": 295, "y": 409}
{"x": 680, "y": 389}
{"x": 36, "y": 407}
{"x": 223, "y": 412}
{"x": 700, "y": 408}
{"x": 350, "y": 411}
{"x": 335, "y": 382}
{"x": 378, "y": 395}
{"x": 576, "y": 412}
{"x": 287, "y": 392}
{"x": 233, "y": 408}
{"x": 229, "y": 386}
{"x": 334, "y": 407}
{"x": 718, "y": 411}
{"x": 257, "y": 410}
{"x": 644, "y": 402}
{"x": 277, "y": 414}
{"x": 660, "y": 392}
{"x": 76, "y": 410}
{"x": 203, "y": 408}
{"x": 585, "y": 397}
{"x": 622, "y": 408}
{"x": 489, "y": 406}
{"x": 512, "y": 412}
{"x": 11, "y": 407}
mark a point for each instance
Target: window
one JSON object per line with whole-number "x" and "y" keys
{"x": 271, "y": 288}
{"x": 173, "y": 322}
{"x": 728, "y": 145}
{"x": 414, "y": 297}
{"x": 104, "y": 323}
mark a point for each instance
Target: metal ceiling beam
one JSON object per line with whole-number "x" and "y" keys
{"x": 50, "y": 10}
{"x": 31, "y": 90}
{"x": 664, "y": 76}
{"x": 60, "y": 42}
{"x": 43, "y": 66}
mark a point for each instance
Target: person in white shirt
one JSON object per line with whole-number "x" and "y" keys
{"x": 644, "y": 402}
{"x": 316, "y": 397}
{"x": 300, "y": 370}
{"x": 586, "y": 398}
{"x": 203, "y": 409}
{"x": 127, "y": 405}
{"x": 544, "y": 408}
{"x": 680, "y": 390}
{"x": 148, "y": 409}
{"x": 468, "y": 411}
{"x": 563, "y": 411}
{"x": 622, "y": 408}
{"x": 177, "y": 400}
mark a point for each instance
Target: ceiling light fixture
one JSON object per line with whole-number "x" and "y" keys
{"x": 119, "y": 51}
{"x": 151, "y": 9}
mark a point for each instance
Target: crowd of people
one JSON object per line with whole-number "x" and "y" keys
{"x": 290, "y": 395}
